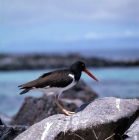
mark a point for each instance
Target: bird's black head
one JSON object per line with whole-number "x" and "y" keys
{"x": 77, "y": 69}
{"x": 78, "y": 66}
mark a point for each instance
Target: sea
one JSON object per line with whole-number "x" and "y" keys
{"x": 122, "y": 82}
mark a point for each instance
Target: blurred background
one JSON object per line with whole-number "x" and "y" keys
{"x": 36, "y": 35}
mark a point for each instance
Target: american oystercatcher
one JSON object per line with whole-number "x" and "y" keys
{"x": 57, "y": 81}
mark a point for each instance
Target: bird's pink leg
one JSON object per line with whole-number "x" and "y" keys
{"x": 62, "y": 110}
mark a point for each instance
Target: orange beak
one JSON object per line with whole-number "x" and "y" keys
{"x": 91, "y": 75}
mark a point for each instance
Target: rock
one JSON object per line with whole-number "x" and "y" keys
{"x": 1, "y": 123}
{"x": 10, "y": 132}
{"x": 80, "y": 91}
{"x": 134, "y": 137}
{"x": 133, "y": 132}
{"x": 43, "y": 61}
{"x": 36, "y": 109}
{"x": 102, "y": 119}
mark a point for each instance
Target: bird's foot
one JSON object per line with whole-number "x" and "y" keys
{"x": 62, "y": 110}
{"x": 66, "y": 112}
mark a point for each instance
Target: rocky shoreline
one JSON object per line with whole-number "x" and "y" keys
{"x": 42, "y": 61}
{"x": 106, "y": 118}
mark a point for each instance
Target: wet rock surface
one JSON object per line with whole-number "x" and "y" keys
{"x": 101, "y": 119}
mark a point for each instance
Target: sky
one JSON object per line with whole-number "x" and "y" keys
{"x": 74, "y": 25}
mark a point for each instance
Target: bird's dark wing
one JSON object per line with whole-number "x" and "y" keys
{"x": 59, "y": 78}
{"x": 35, "y": 82}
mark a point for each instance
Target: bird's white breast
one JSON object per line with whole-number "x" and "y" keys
{"x": 70, "y": 85}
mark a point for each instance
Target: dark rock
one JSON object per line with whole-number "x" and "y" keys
{"x": 43, "y": 61}
{"x": 133, "y": 132}
{"x": 36, "y": 109}
{"x": 80, "y": 91}
{"x": 10, "y": 132}
{"x": 1, "y": 123}
{"x": 100, "y": 120}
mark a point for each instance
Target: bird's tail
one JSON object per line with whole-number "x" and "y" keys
{"x": 25, "y": 90}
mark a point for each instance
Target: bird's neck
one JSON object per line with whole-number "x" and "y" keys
{"x": 77, "y": 74}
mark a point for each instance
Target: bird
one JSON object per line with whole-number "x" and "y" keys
{"x": 57, "y": 81}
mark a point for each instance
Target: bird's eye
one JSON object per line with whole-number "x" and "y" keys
{"x": 82, "y": 65}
